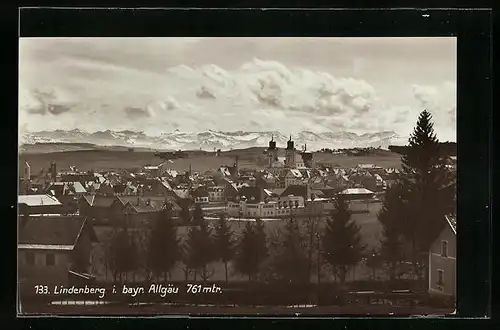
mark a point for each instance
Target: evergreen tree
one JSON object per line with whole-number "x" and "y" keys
{"x": 260, "y": 241}
{"x": 342, "y": 247}
{"x": 391, "y": 217}
{"x": 246, "y": 260}
{"x": 224, "y": 243}
{"x": 426, "y": 179}
{"x": 164, "y": 250}
{"x": 185, "y": 214}
{"x": 200, "y": 244}
{"x": 198, "y": 217}
{"x": 117, "y": 253}
{"x": 291, "y": 261}
{"x": 374, "y": 262}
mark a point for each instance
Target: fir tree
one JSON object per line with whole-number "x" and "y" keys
{"x": 291, "y": 261}
{"x": 185, "y": 214}
{"x": 374, "y": 262}
{"x": 200, "y": 244}
{"x": 260, "y": 240}
{"x": 117, "y": 253}
{"x": 426, "y": 179}
{"x": 224, "y": 243}
{"x": 198, "y": 217}
{"x": 164, "y": 250}
{"x": 342, "y": 247}
{"x": 391, "y": 217}
{"x": 246, "y": 260}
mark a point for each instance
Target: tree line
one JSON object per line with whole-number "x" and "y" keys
{"x": 411, "y": 217}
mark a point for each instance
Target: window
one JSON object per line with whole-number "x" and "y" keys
{"x": 50, "y": 259}
{"x": 30, "y": 258}
{"x": 444, "y": 249}
{"x": 440, "y": 273}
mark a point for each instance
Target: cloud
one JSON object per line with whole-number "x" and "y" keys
{"x": 204, "y": 93}
{"x": 257, "y": 95}
{"x": 138, "y": 113}
{"x": 440, "y": 101}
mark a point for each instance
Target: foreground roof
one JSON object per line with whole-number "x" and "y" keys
{"x": 452, "y": 222}
{"x": 45, "y": 232}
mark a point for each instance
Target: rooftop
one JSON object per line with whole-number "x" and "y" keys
{"x": 48, "y": 231}
{"x": 356, "y": 191}
{"x": 37, "y": 200}
{"x": 452, "y": 221}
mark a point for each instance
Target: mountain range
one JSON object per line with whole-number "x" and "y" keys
{"x": 210, "y": 139}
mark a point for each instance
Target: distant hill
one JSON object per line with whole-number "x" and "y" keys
{"x": 208, "y": 140}
{"x": 448, "y": 148}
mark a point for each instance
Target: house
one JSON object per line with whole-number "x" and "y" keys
{"x": 140, "y": 209}
{"x": 54, "y": 250}
{"x": 293, "y": 177}
{"x": 442, "y": 261}
{"x": 74, "y": 188}
{"x": 252, "y": 202}
{"x": 216, "y": 194}
{"x": 293, "y": 198}
{"x": 96, "y": 208}
{"x": 39, "y": 204}
{"x": 358, "y": 199}
{"x": 201, "y": 195}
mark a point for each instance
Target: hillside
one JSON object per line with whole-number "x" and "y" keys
{"x": 109, "y": 159}
{"x": 447, "y": 148}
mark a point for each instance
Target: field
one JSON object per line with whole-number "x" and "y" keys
{"x": 116, "y": 159}
{"x": 370, "y": 233}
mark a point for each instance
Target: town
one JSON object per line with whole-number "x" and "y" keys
{"x": 71, "y": 213}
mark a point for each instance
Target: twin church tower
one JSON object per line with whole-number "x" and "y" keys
{"x": 293, "y": 159}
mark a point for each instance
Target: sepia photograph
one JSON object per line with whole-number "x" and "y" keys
{"x": 237, "y": 176}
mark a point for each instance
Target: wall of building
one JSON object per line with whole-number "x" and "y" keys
{"x": 40, "y": 273}
{"x": 446, "y": 264}
{"x": 216, "y": 194}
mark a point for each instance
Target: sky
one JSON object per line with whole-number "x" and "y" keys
{"x": 158, "y": 85}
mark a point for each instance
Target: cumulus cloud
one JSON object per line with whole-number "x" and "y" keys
{"x": 45, "y": 101}
{"x": 440, "y": 100}
{"x": 138, "y": 113}
{"x": 258, "y": 95}
{"x": 205, "y": 93}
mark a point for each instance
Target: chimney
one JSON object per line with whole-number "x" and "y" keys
{"x": 53, "y": 170}
{"x": 27, "y": 171}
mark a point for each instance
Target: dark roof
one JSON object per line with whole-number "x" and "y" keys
{"x": 99, "y": 200}
{"x": 296, "y": 190}
{"x": 253, "y": 194}
{"x": 119, "y": 188}
{"x": 200, "y": 192}
{"x": 47, "y": 230}
{"x": 125, "y": 199}
{"x": 152, "y": 204}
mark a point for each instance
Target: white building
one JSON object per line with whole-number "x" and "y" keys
{"x": 216, "y": 194}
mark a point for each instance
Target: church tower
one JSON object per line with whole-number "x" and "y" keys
{"x": 272, "y": 152}
{"x": 27, "y": 171}
{"x": 290, "y": 153}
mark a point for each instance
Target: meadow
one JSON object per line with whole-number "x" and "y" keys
{"x": 200, "y": 161}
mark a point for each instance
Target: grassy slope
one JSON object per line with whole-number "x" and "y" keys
{"x": 370, "y": 232}
{"x": 104, "y": 159}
